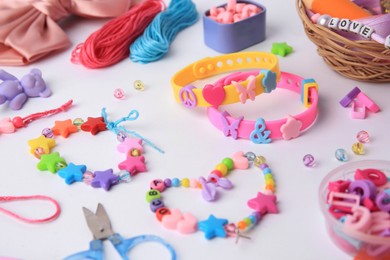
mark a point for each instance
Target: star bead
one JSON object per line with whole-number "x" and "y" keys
{"x": 263, "y": 203}
{"x": 72, "y": 173}
{"x": 213, "y": 227}
{"x": 94, "y": 125}
{"x": 104, "y": 179}
{"x": 41, "y": 142}
{"x": 133, "y": 164}
{"x": 281, "y": 49}
{"x": 64, "y": 128}
{"x": 50, "y": 161}
{"x": 129, "y": 144}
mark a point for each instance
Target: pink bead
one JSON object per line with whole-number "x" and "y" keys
{"x": 315, "y": 17}
{"x": 231, "y": 5}
{"x": 157, "y": 184}
{"x": 194, "y": 183}
{"x": 239, "y": 7}
{"x": 119, "y": 93}
{"x": 226, "y": 17}
{"x": 213, "y": 11}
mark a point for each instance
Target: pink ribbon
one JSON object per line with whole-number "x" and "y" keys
{"x": 29, "y": 29}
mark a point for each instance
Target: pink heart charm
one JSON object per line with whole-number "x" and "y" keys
{"x": 170, "y": 221}
{"x": 6, "y": 126}
{"x": 214, "y": 95}
{"x": 189, "y": 224}
{"x": 240, "y": 161}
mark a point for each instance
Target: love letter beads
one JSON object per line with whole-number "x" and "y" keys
{"x": 52, "y": 161}
{"x": 356, "y": 204}
{"x": 185, "y": 223}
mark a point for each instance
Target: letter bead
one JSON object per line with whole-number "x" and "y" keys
{"x": 156, "y": 204}
{"x": 366, "y": 32}
{"x": 344, "y": 24}
{"x": 157, "y": 184}
{"x": 333, "y": 23}
{"x": 152, "y": 194}
{"x": 355, "y": 26}
{"x": 161, "y": 212}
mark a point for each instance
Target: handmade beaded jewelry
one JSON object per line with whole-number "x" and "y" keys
{"x": 263, "y": 203}
{"x": 131, "y": 147}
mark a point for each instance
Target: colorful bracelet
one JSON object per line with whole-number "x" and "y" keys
{"x": 131, "y": 147}
{"x": 185, "y": 223}
{"x": 215, "y": 95}
{"x": 261, "y": 131}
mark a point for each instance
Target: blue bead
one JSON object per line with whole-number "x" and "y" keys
{"x": 253, "y": 219}
{"x": 266, "y": 170}
{"x": 175, "y": 182}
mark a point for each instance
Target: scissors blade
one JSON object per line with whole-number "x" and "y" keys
{"x": 99, "y": 223}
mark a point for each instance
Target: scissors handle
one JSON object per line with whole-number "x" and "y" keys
{"x": 123, "y": 246}
{"x": 95, "y": 252}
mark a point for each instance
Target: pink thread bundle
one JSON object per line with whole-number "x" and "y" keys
{"x": 110, "y": 44}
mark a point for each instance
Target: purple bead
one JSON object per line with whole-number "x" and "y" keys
{"x": 257, "y": 215}
{"x": 383, "y": 201}
{"x": 263, "y": 166}
{"x": 167, "y": 182}
{"x": 48, "y": 133}
{"x": 156, "y": 204}
{"x": 363, "y": 188}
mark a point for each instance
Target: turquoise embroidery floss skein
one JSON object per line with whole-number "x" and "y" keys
{"x": 158, "y": 36}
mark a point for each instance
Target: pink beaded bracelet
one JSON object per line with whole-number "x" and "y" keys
{"x": 185, "y": 223}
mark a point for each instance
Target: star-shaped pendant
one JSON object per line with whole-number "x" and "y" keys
{"x": 50, "y": 162}
{"x": 129, "y": 144}
{"x": 213, "y": 227}
{"x": 64, "y": 128}
{"x": 94, "y": 125}
{"x": 264, "y": 203}
{"x": 41, "y": 142}
{"x": 72, "y": 173}
{"x": 133, "y": 164}
{"x": 281, "y": 49}
{"x": 104, "y": 179}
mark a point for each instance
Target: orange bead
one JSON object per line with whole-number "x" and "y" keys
{"x": 241, "y": 225}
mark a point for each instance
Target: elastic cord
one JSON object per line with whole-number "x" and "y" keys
{"x": 33, "y": 197}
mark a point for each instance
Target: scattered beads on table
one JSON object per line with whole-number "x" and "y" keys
{"x": 139, "y": 85}
{"x": 341, "y": 155}
{"x": 363, "y": 137}
{"x": 308, "y": 160}
{"x": 358, "y": 148}
{"x": 119, "y": 93}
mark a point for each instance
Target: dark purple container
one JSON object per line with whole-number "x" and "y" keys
{"x": 227, "y": 38}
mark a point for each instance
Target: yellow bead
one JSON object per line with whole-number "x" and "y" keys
{"x": 269, "y": 182}
{"x": 259, "y": 160}
{"x": 135, "y": 152}
{"x": 139, "y": 85}
{"x": 185, "y": 182}
{"x": 222, "y": 168}
{"x": 247, "y": 221}
{"x": 358, "y": 148}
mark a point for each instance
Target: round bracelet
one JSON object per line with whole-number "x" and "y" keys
{"x": 261, "y": 131}
{"x": 131, "y": 147}
{"x": 263, "y": 203}
{"x": 215, "y": 95}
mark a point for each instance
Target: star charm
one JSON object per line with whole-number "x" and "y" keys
{"x": 41, "y": 142}
{"x": 213, "y": 227}
{"x": 104, "y": 179}
{"x": 264, "y": 203}
{"x": 72, "y": 173}
{"x": 133, "y": 164}
{"x": 64, "y": 128}
{"x": 50, "y": 162}
{"x": 94, "y": 125}
{"x": 281, "y": 49}
{"x": 129, "y": 144}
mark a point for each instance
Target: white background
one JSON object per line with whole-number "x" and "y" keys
{"x": 192, "y": 148}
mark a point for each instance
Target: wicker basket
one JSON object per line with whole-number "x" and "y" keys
{"x": 358, "y": 60}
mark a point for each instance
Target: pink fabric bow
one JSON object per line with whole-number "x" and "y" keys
{"x": 29, "y": 29}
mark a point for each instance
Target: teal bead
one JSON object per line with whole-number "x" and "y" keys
{"x": 253, "y": 219}
{"x": 228, "y": 162}
{"x": 152, "y": 194}
{"x": 175, "y": 182}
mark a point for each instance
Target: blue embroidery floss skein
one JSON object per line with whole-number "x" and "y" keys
{"x": 158, "y": 36}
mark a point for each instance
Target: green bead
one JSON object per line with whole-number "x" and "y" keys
{"x": 152, "y": 194}
{"x": 247, "y": 221}
{"x": 228, "y": 162}
{"x": 268, "y": 176}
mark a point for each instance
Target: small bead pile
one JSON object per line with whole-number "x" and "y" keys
{"x": 53, "y": 162}
{"x": 233, "y": 12}
{"x": 215, "y": 227}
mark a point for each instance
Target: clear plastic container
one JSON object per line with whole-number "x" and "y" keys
{"x": 355, "y": 243}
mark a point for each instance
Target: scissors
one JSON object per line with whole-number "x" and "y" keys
{"x": 100, "y": 226}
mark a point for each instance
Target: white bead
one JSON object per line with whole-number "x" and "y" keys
{"x": 333, "y": 22}
{"x": 355, "y": 26}
{"x": 366, "y": 31}
{"x": 344, "y": 24}
{"x": 323, "y": 20}
{"x": 387, "y": 42}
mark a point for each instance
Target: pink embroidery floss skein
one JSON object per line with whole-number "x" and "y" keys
{"x": 110, "y": 44}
